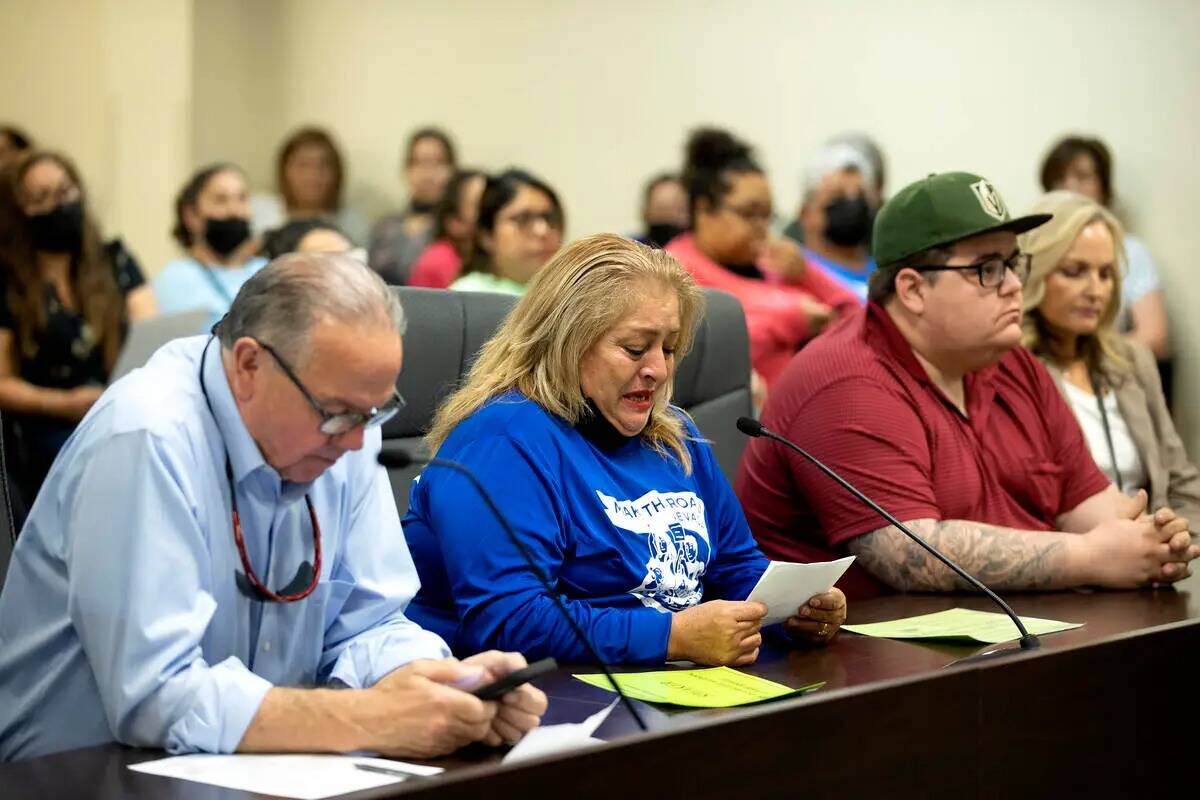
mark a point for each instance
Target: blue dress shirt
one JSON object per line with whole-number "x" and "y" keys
{"x": 121, "y": 618}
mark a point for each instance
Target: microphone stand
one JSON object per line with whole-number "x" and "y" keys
{"x": 1028, "y": 641}
{"x": 405, "y": 459}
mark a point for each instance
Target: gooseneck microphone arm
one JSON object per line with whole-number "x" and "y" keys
{"x": 399, "y": 459}
{"x": 752, "y": 427}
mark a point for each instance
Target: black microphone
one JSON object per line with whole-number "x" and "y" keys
{"x": 400, "y": 459}
{"x": 752, "y": 427}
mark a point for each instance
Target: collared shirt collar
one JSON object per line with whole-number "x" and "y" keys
{"x": 882, "y": 333}
{"x": 244, "y": 455}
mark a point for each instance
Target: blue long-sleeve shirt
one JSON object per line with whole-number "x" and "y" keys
{"x": 624, "y": 535}
{"x": 121, "y": 618}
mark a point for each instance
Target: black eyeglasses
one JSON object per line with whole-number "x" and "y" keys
{"x": 991, "y": 271}
{"x": 337, "y": 424}
{"x": 752, "y": 214}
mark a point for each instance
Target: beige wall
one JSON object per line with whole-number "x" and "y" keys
{"x": 238, "y": 85}
{"x": 110, "y": 83}
{"x": 596, "y": 96}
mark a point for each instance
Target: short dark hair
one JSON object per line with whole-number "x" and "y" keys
{"x": 498, "y": 192}
{"x": 437, "y": 134}
{"x": 190, "y": 193}
{"x": 17, "y": 137}
{"x": 320, "y": 137}
{"x": 1055, "y": 165}
{"x": 881, "y": 286}
{"x": 713, "y": 154}
{"x": 287, "y": 237}
{"x": 451, "y": 202}
{"x": 657, "y": 181}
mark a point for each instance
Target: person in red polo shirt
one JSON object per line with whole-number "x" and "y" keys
{"x": 926, "y": 403}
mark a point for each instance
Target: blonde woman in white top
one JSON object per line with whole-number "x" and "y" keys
{"x": 1071, "y": 302}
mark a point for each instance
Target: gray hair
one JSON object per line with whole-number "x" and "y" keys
{"x": 837, "y": 157}
{"x": 284, "y": 300}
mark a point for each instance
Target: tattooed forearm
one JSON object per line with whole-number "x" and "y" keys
{"x": 1003, "y": 558}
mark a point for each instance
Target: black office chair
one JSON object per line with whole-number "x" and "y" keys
{"x": 446, "y": 330}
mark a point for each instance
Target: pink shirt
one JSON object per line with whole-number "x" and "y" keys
{"x": 777, "y": 323}
{"x": 437, "y": 267}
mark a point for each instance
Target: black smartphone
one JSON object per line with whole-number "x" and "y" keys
{"x": 501, "y": 687}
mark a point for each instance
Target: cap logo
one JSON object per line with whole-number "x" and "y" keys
{"x": 990, "y": 200}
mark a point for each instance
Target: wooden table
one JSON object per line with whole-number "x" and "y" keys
{"x": 1106, "y": 710}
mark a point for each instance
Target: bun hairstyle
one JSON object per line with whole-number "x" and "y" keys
{"x": 710, "y": 156}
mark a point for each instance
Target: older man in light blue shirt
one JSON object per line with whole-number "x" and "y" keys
{"x": 163, "y": 590}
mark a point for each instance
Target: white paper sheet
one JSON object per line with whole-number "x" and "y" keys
{"x": 560, "y": 738}
{"x": 305, "y": 777}
{"x": 784, "y": 587}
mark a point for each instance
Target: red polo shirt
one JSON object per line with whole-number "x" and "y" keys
{"x": 858, "y": 399}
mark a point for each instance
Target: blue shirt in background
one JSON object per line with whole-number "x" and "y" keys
{"x": 623, "y": 534}
{"x": 186, "y": 284}
{"x": 854, "y": 280}
{"x": 121, "y": 618}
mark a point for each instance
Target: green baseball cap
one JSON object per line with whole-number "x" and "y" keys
{"x": 940, "y": 210}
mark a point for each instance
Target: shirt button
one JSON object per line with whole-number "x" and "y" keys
{"x": 266, "y": 647}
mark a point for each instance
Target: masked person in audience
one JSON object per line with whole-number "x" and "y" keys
{"x": 840, "y": 201}
{"x": 871, "y": 151}
{"x": 399, "y": 239}
{"x": 868, "y": 150}
{"x": 1085, "y": 165}
{"x": 520, "y": 226}
{"x": 14, "y": 143}
{"x": 1111, "y": 382}
{"x": 454, "y": 233}
{"x": 151, "y": 598}
{"x": 212, "y": 225}
{"x": 567, "y": 417}
{"x": 66, "y": 300}
{"x": 310, "y": 174}
{"x": 664, "y": 210}
{"x": 309, "y": 236}
{"x": 730, "y": 248}
{"x": 928, "y": 405}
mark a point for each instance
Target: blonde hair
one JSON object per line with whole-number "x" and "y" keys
{"x": 1103, "y": 351}
{"x": 581, "y": 293}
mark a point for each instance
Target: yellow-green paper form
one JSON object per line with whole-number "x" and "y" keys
{"x": 718, "y": 687}
{"x": 961, "y": 624}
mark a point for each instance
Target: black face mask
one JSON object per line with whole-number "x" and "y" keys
{"x": 422, "y": 207}
{"x": 59, "y": 230}
{"x": 848, "y": 221}
{"x": 227, "y": 234}
{"x": 663, "y": 232}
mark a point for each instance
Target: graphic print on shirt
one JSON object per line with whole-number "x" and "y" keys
{"x": 677, "y": 547}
